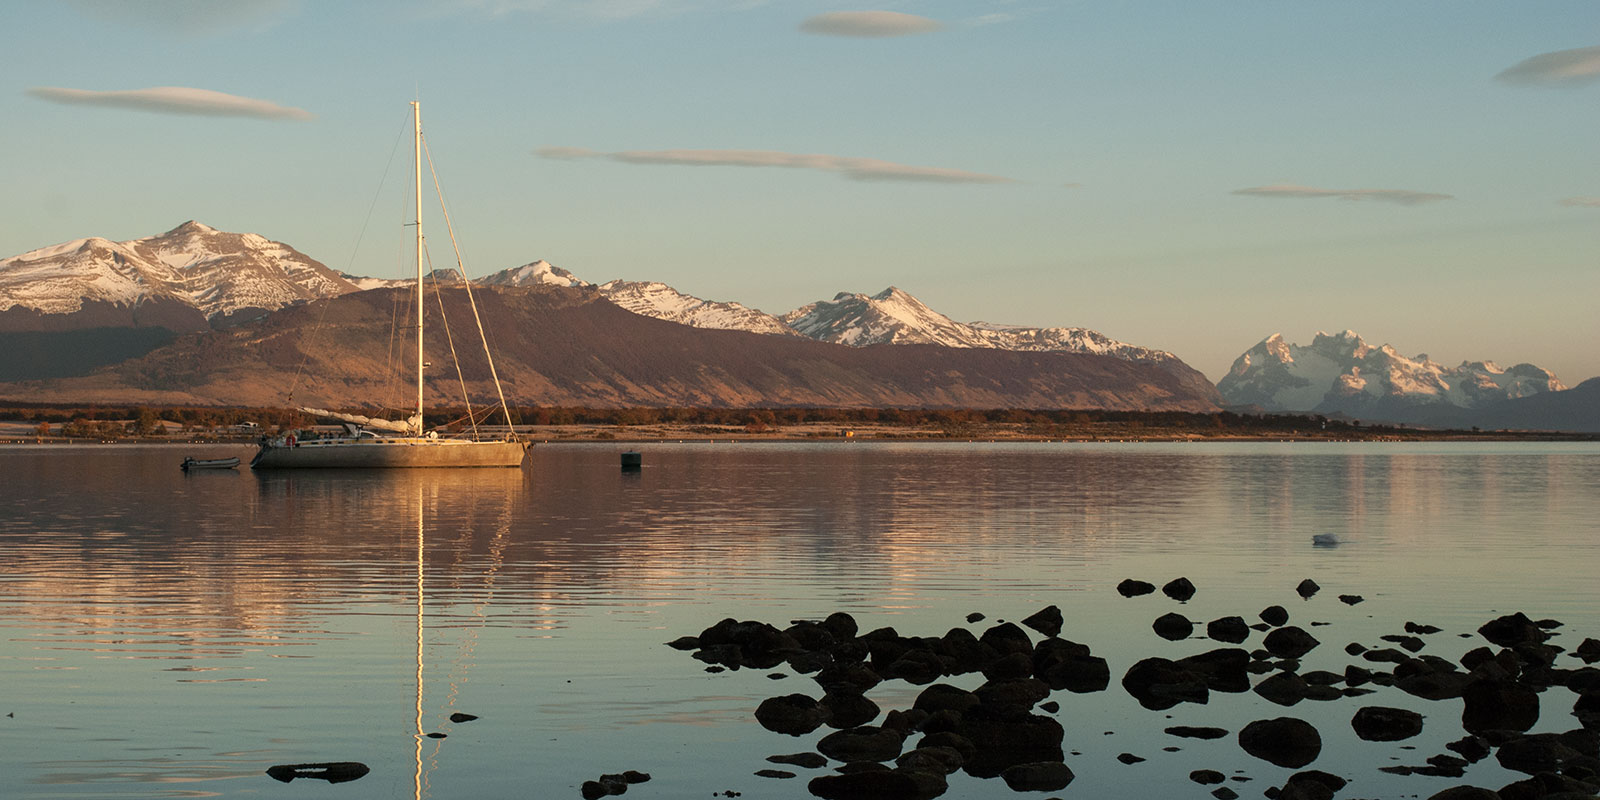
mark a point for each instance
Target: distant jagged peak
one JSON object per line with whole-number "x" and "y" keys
{"x": 192, "y": 226}
{"x": 536, "y": 273}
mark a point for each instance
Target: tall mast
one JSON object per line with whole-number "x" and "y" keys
{"x": 416, "y": 119}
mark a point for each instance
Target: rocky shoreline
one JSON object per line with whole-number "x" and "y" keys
{"x": 1007, "y": 728}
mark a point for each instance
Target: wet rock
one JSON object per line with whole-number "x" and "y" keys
{"x": 793, "y": 714}
{"x": 1355, "y": 648}
{"x": 941, "y": 696}
{"x": 1465, "y": 793}
{"x": 1307, "y": 588}
{"x": 1002, "y": 738}
{"x": 437, "y": 735}
{"x": 685, "y": 643}
{"x": 1587, "y": 709}
{"x": 1173, "y": 627}
{"x": 774, "y": 773}
{"x": 871, "y": 785}
{"x": 1310, "y": 785}
{"x": 1224, "y": 669}
{"x": 1232, "y": 630}
{"x": 1037, "y": 776}
{"x": 1284, "y": 741}
{"x": 1548, "y": 752}
{"x": 1471, "y": 748}
{"x": 963, "y": 653}
{"x": 1022, "y": 693}
{"x": 1274, "y": 615}
{"x": 1511, "y": 630}
{"x": 1351, "y": 599}
{"x": 802, "y": 760}
{"x": 593, "y": 790}
{"x": 1207, "y": 777}
{"x": 1159, "y": 684}
{"x": 1386, "y": 655}
{"x": 1283, "y": 688}
{"x": 1046, "y": 621}
{"x": 808, "y": 661}
{"x": 758, "y": 644}
{"x": 1289, "y": 642}
{"x": 943, "y": 760}
{"x": 459, "y": 717}
{"x": 1192, "y": 732}
{"x": 1006, "y": 639}
{"x": 1383, "y": 724}
{"x": 916, "y": 667}
{"x": 847, "y": 709}
{"x": 1224, "y": 793}
{"x": 952, "y": 740}
{"x": 1422, "y": 630}
{"x": 1589, "y": 651}
{"x": 1179, "y": 589}
{"x": 1498, "y": 705}
{"x": 1008, "y": 667}
{"x": 1062, "y": 664}
{"x": 841, "y": 625}
{"x": 1548, "y": 786}
{"x": 856, "y": 677}
{"x": 1133, "y": 588}
{"x": 1129, "y": 758}
{"x": 330, "y": 771}
{"x": 862, "y": 744}
{"x": 1410, "y": 643}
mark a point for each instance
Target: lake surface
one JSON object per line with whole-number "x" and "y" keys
{"x": 165, "y": 635}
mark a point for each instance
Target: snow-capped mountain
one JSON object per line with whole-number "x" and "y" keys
{"x": 1342, "y": 373}
{"x": 538, "y": 273}
{"x": 218, "y": 273}
{"x": 893, "y": 316}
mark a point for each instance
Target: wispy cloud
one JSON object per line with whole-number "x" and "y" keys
{"x": 190, "y": 16}
{"x": 869, "y": 24}
{"x": 1404, "y": 197}
{"x": 860, "y": 169}
{"x": 1581, "y": 202}
{"x": 174, "y": 100}
{"x": 595, "y": 9}
{"x": 1560, "y": 68}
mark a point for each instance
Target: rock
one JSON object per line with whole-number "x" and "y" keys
{"x": 1283, "y": 688}
{"x": 1191, "y": 732}
{"x": 1006, "y": 639}
{"x": 635, "y": 776}
{"x": 1004, "y": 737}
{"x": 1159, "y": 684}
{"x": 975, "y": 617}
{"x": 871, "y": 785}
{"x": 1498, "y": 705}
{"x": 1289, "y": 642}
{"x": 793, "y": 714}
{"x": 773, "y": 773}
{"x": 1471, "y": 748}
{"x": 1465, "y": 793}
{"x": 856, "y": 677}
{"x": 1129, "y": 758}
{"x": 943, "y": 760}
{"x": 811, "y": 636}
{"x": 1173, "y": 627}
{"x": 847, "y": 709}
{"x": 1541, "y": 752}
{"x": 1232, "y": 630}
{"x": 905, "y": 721}
{"x": 1207, "y": 777}
{"x": 841, "y": 625}
{"x": 1410, "y": 643}
{"x": 963, "y": 653}
{"x": 1351, "y": 599}
{"x": 1307, "y": 588}
{"x": 1386, "y": 655}
{"x": 941, "y": 696}
{"x": 1512, "y": 629}
{"x": 1047, "y": 621}
{"x": 1424, "y": 630}
{"x": 1037, "y": 776}
{"x": 1224, "y": 793}
{"x": 1382, "y": 724}
{"x": 1067, "y": 665}
{"x": 1224, "y": 669}
{"x": 1022, "y": 693}
{"x": 757, "y": 644}
{"x": 1322, "y": 677}
{"x": 1284, "y": 741}
{"x": 593, "y": 790}
{"x": 802, "y": 760}
{"x": 685, "y": 643}
{"x": 916, "y": 667}
{"x": 1589, "y": 651}
{"x": 1009, "y": 666}
{"x": 330, "y": 771}
{"x": 951, "y": 740}
{"x": 1274, "y": 615}
{"x": 1179, "y": 589}
{"x": 862, "y": 744}
{"x": 459, "y": 717}
{"x": 1133, "y": 588}
{"x": 1355, "y": 648}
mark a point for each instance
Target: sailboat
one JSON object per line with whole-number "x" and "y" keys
{"x": 407, "y": 445}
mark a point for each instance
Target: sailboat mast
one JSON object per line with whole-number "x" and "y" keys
{"x": 416, "y": 120}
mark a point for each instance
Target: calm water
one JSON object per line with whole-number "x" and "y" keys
{"x": 171, "y": 635}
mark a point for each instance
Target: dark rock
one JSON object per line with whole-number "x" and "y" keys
{"x": 1471, "y": 748}
{"x": 330, "y": 771}
{"x": 1355, "y": 648}
{"x": 1002, "y": 738}
{"x": 1386, "y": 655}
{"x": 1284, "y": 741}
{"x": 1324, "y": 693}
{"x": 1006, "y": 639}
{"x": 1351, "y": 599}
{"x": 1050, "y": 707}
{"x": 1232, "y": 630}
{"x": 1009, "y": 666}
{"x": 806, "y": 662}
{"x": 1179, "y": 589}
{"x": 802, "y": 760}
{"x": 593, "y": 790}
{"x": 1382, "y": 724}
{"x": 1283, "y": 688}
{"x": 1191, "y": 732}
{"x": 847, "y": 709}
{"x": 777, "y": 676}
{"x": 1224, "y": 669}
{"x": 459, "y": 717}
{"x": 1133, "y": 588}
{"x": 437, "y": 735}
{"x": 841, "y": 625}
{"x": 1307, "y": 588}
{"x": 685, "y": 643}
{"x": 862, "y": 744}
{"x": 952, "y": 740}
{"x": 941, "y": 696}
{"x": 1037, "y": 776}
{"x": 1542, "y": 752}
{"x": 1328, "y": 779}
{"x": 759, "y": 644}
{"x": 963, "y": 653}
{"x": 1274, "y": 615}
{"x": 811, "y": 636}
{"x": 847, "y": 677}
{"x": 1589, "y": 651}
{"x": 1424, "y": 630}
{"x": 1322, "y": 677}
{"x": 870, "y": 785}
{"x": 1289, "y": 642}
{"x": 1548, "y": 786}
{"x": 943, "y": 760}
{"x": 1224, "y": 793}
{"x": 1587, "y": 709}
{"x": 853, "y": 767}
{"x": 1046, "y": 621}
{"x": 1410, "y": 643}
{"x": 975, "y": 617}
{"x": 1173, "y": 627}
{"x": 773, "y": 773}
{"x": 1512, "y": 629}
{"x": 793, "y": 714}
{"x": 1207, "y": 777}
{"x": 1498, "y": 705}
{"x": 1465, "y": 793}
{"x": 1128, "y": 758}
{"x": 916, "y": 667}
{"x": 1067, "y": 665}
{"x": 1159, "y": 684}
{"x": 1023, "y": 693}
{"x": 1356, "y": 676}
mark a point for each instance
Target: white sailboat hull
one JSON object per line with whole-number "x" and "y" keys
{"x": 388, "y": 453}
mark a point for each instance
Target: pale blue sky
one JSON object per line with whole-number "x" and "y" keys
{"x": 1123, "y": 132}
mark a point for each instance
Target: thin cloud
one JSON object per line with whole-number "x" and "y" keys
{"x": 196, "y": 17}
{"x": 869, "y": 24}
{"x": 1560, "y": 68}
{"x": 1403, "y": 197}
{"x": 174, "y": 100}
{"x": 1581, "y": 202}
{"x": 594, "y": 9}
{"x": 859, "y": 169}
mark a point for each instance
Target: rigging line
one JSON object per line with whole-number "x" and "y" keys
{"x": 461, "y": 267}
{"x": 438, "y": 294}
{"x": 350, "y": 264}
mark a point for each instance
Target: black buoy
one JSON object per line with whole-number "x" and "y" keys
{"x": 632, "y": 460}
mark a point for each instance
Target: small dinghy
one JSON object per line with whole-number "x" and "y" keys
{"x": 208, "y": 463}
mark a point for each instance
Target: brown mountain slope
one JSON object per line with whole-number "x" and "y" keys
{"x": 566, "y": 346}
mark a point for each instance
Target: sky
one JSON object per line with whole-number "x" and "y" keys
{"x": 1192, "y": 176}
